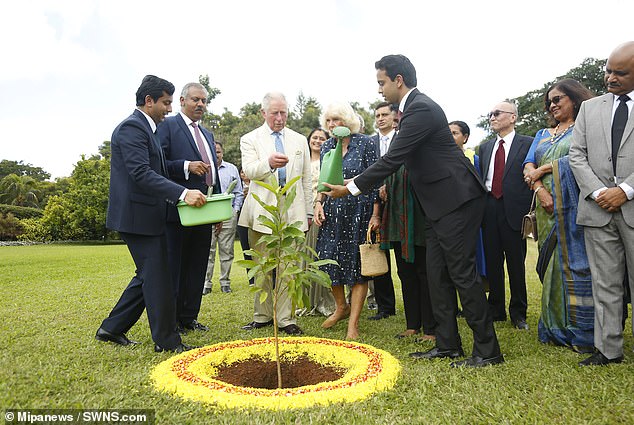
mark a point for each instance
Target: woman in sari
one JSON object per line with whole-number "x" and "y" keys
{"x": 567, "y": 312}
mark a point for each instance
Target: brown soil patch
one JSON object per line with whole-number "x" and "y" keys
{"x": 257, "y": 372}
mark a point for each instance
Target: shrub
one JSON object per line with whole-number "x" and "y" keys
{"x": 20, "y": 212}
{"x": 10, "y": 227}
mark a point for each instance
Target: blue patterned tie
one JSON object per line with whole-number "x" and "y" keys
{"x": 279, "y": 146}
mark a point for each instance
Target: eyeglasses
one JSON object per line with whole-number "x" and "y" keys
{"x": 555, "y": 100}
{"x": 497, "y": 112}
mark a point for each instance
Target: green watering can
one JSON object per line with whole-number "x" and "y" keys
{"x": 331, "y": 165}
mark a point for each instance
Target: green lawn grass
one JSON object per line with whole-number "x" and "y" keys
{"x": 53, "y": 298}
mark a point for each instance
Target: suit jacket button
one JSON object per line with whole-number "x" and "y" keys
{"x": 609, "y": 159}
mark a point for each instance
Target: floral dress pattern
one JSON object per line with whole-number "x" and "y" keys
{"x": 347, "y": 218}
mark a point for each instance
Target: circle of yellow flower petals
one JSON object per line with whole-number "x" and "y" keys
{"x": 191, "y": 375}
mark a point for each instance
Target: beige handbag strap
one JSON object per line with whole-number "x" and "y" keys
{"x": 533, "y": 202}
{"x": 368, "y": 236}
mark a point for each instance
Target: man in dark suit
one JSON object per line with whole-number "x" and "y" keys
{"x": 383, "y": 285}
{"x": 508, "y": 200}
{"x": 190, "y": 154}
{"x": 452, "y": 197}
{"x": 137, "y": 209}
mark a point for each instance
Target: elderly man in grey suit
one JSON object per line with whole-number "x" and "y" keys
{"x": 275, "y": 151}
{"x": 602, "y": 160}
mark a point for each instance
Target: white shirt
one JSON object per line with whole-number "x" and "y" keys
{"x": 629, "y": 191}
{"x": 508, "y": 140}
{"x": 189, "y": 122}
{"x": 385, "y": 140}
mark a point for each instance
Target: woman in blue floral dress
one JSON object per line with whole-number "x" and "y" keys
{"x": 344, "y": 221}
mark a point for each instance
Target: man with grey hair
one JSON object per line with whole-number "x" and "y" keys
{"x": 273, "y": 151}
{"x": 508, "y": 200}
{"x": 190, "y": 154}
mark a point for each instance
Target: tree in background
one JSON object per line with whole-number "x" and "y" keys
{"x": 19, "y": 190}
{"x": 531, "y": 105}
{"x": 19, "y": 168}
{"x": 80, "y": 212}
{"x": 305, "y": 116}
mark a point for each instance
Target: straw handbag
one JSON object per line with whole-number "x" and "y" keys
{"x": 373, "y": 258}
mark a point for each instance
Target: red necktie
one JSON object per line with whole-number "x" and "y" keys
{"x": 203, "y": 152}
{"x": 498, "y": 171}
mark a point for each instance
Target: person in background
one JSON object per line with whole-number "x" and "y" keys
{"x": 243, "y": 232}
{"x": 508, "y": 200}
{"x": 383, "y": 286}
{"x": 403, "y": 229}
{"x": 461, "y": 132}
{"x": 344, "y": 222}
{"x": 602, "y": 160}
{"x": 224, "y": 237}
{"x": 321, "y": 298}
{"x": 566, "y": 309}
{"x": 274, "y": 152}
{"x": 190, "y": 154}
{"x": 139, "y": 189}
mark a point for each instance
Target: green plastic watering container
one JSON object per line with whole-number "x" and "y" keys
{"x": 331, "y": 170}
{"x": 218, "y": 208}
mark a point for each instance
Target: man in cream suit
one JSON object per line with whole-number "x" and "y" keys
{"x": 268, "y": 152}
{"x": 602, "y": 160}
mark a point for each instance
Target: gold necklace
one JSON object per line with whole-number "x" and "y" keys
{"x": 554, "y": 138}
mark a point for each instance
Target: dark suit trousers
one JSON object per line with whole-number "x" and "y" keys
{"x": 500, "y": 243}
{"x": 415, "y": 286}
{"x": 384, "y": 289}
{"x": 149, "y": 289}
{"x": 188, "y": 253}
{"x": 243, "y": 234}
{"x": 451, "y": 246}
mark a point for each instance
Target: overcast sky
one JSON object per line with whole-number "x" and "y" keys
{"x": 70, "y": 68}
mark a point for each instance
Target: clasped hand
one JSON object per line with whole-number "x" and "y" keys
{"x": 198, "y": 167}
{"x": 611, "y": 199}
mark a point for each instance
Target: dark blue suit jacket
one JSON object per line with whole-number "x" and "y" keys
{"x": 139, "y": 188}
{"x": 179, "y": 146}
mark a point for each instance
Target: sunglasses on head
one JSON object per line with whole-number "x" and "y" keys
{"x": 555, "y": 100}
{"x": 497, "y": 112}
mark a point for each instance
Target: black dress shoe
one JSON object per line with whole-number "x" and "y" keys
{"x": 105, "y": 336}
{"x": 178, "y": 349}
{"x": 521, "y": 324}
{"x": 598, "y": 359}
{"x": 381, "y": 315}
{"x": 291, "y": 329}
{"x": 437, "y": 353}
{"x": 194, "y": 325}
{"x": 257, "y": 325}
{"x": 476, "y": 361}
